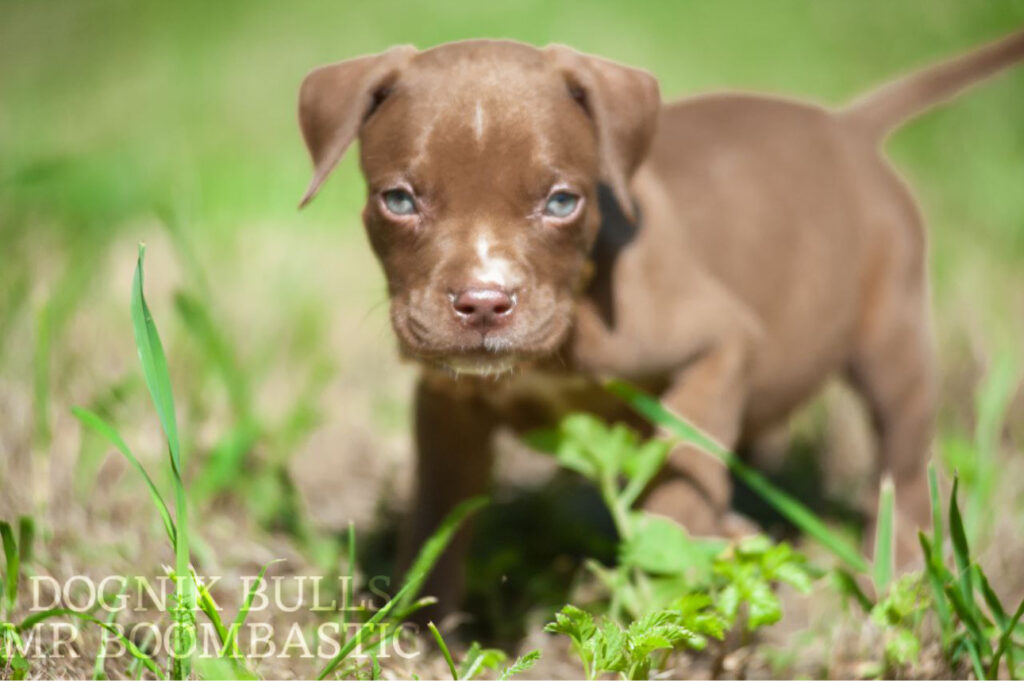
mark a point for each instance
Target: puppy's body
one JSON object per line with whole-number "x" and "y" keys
{"x": 766, "y": 218}
{"x": 742, "y": 250}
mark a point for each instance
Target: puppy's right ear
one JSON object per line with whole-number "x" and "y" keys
{"x": 335, "y": 100}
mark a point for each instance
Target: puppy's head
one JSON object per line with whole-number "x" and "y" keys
{"x": 482, "y": 161}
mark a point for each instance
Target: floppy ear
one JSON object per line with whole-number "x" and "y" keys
{"x": 336, "y": 99}
{"x": 623, "y": 102}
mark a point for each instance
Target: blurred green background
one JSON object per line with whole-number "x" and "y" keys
{"x": 110, "y": 108}
{"x": 174, "y": 123}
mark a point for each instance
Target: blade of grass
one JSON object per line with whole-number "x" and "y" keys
{"x": 243, "y": 612}
{"x": 961, "y": 549}
{"x": 41, "y": 374}
{"x": 444, "y": 650}
{"x": 991, "y": 403}
{"x": 938, "y": 533}
{"x": 225, "y": 462}
{"x": 220, "y": 669}
{"x": 472, "y": 662}
{"x": 154, "y": 361}
{"x": 848, "y": 584}
{"x": 364, "y": 632}
{"x": 999, "y": 615}
{"x": 935, "y": 580}
{"x": 26, "y": 539}
{"x": 105, "y": 430}
{"x": 98, "y": 671}
{"x": 12, "y": 566}
{"x": 970, "y": 638}
{"x": 399, "y": 616}
{"x": 138, "y": 654}
{"x": 418, "y": 604}
{"x": 209, "y": 608}
{"x": 991, "y": 599}
{"x": 436, "y": 545}
{"x": 883, "y": 565}
{"x": 200, "y": 322}
{"x": 154, "y": 370}
{"x": 348, "y": 596}
{"x": 790, "y": 508}
{"x": 1006, "y": 643}
{"x": 967, "y": 615}
{"x": 135, "y": 669}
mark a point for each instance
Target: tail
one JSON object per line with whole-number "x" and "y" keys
{"x": 882, "y": 111}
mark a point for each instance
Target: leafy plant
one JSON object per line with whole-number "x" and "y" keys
{"x": 899, "y": 616}
{"x": 656, "y": 555}
{"x": 521, "y": 664}
{"x": 604, "y": 646}
{"x": 668, "y": 589}
{"x": 747, "y": 575}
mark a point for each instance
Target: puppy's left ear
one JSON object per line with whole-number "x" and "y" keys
{"x": 623, "y": 102}
{"x": 335, "y": 100}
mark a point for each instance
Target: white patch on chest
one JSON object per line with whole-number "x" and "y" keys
{"x": 491, "y": 269}
{"x": 478, "y": 122}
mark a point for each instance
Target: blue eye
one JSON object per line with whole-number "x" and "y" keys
{"x": 561, "y": 205}
{"x": 399, "y": 202}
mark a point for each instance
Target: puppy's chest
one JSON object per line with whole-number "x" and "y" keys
{"x": 629, "y": 324}
{"x": 537, "y": 397}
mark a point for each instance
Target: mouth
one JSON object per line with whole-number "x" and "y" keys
{"x": 460, "y": 352}
{"x": 485, "y": 365}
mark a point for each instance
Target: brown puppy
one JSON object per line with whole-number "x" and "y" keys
{"x": 541, "y": 217}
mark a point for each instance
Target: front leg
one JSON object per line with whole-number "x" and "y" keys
{"x": 695, "y": 332}
{"x": 454, "y": 430}
{"x": 695, "y": 487}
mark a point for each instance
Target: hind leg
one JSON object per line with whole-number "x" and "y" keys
{"x": 893, "y": 368}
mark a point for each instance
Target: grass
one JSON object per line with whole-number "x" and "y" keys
{"x": 191, "y": 593}
{"x": 708, "y": 583}
{"x": 174, "y": 124}
{"x": 667, "y": 592}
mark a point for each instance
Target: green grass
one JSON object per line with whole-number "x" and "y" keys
{"x": 667, "y": 592}
{"x": 712, "y": 589}
{"x": 191, "y": 592}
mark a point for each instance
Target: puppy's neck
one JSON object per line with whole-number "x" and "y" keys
{"x": 615, "y": 233}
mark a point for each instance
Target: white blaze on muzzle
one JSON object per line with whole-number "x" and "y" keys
{"x": 492, "y": 270}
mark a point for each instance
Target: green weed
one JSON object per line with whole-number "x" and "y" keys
{"x": 668, "y": 590}
{"x": 478, "y": 659}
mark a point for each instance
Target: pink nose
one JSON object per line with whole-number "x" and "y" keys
{"x": 483, "y": 308}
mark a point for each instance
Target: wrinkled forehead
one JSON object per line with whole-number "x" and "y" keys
{"x": 471, "y": 116}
